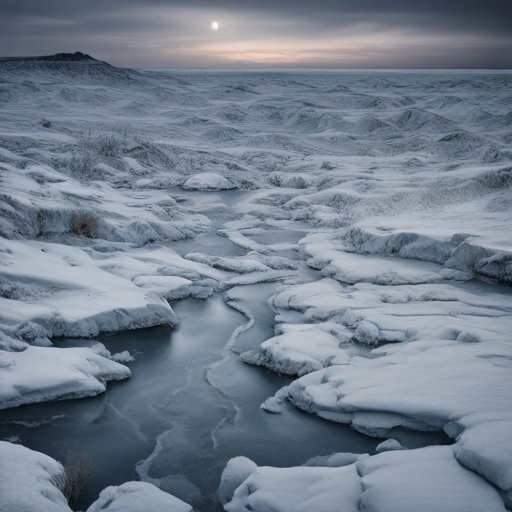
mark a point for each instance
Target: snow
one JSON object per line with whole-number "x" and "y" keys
{"x": 300, "y": 489}
{"x": 237, "y": 470}
{"x": 394, "y": 309}
{"x": 40, "y": 374}
{"x": 423, "y": 480}
{"x": 137, "y": 497}
{"x": 297, "y": 352}
{"x": 484, "y": 446}
{"x": 26, "y": 481}
{"x": 208, "y": 181}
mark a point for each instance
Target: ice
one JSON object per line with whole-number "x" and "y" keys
{"x": 27, "y": 481}
{"x": 389, "y": 445}
{"x": 137, "y": 497}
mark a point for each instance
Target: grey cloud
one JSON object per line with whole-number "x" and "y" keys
{"x": 130, "y": 32}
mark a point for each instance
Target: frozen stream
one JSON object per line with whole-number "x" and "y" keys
{"x": 170, "y": 402}
{"x": 191, "y": 404}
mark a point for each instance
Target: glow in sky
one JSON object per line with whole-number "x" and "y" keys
{"x": 242, "y": 34}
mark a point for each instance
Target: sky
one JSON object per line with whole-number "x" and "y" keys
{"x": 262, "y": 34}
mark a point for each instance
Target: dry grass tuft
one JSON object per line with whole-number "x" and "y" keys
{"x": 77, "y": 473}
{"x": 84, "y": 224}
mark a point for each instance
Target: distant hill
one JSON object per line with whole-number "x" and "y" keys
{"x": 58, "y": 57}
{"x": 75, "y": 68}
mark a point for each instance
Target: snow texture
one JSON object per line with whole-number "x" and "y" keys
{"x": 41, "y": 374}
{"x": 237, "y": 470}
{"x": 137, "y": 497}
{"x": 208, "y": 181}
{"x": 380, "y": 201}
{"x": 26, "y": 481}
{"x": 423, "y": 480}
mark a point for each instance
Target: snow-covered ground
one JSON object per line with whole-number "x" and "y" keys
{"x": 29, "y": 481}
{"x": 382, "y": 203}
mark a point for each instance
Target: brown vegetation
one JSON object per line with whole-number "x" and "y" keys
{"x": 77, "y": 472}
{"x": 83, "y": 224}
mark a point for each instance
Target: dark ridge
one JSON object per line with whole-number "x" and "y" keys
{"x": 58, "y": 57}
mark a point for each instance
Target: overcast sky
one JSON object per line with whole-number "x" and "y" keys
{"x": 265, "y": 33}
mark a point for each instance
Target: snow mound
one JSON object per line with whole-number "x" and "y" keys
{"x": 26, "y": 481}
{"x": 484, "y": 446}
{"x": 300, "y": 489}
{"x": 301, "y": 349}
{"x": 223, "y": 134}
{"x": 208, "y": 181}
{"x": 422, "y": 480}
{"x": 137, "y": 497}
{"x": 42, "y": 374}
{"x": 40, "y": 278}
{"x": 422, "y": 120}
{"x": 237, "y": 470}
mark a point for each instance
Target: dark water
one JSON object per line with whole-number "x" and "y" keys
{"x": 196, "y": 402}
{"x": 191, "y": 404}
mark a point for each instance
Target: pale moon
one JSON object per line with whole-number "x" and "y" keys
{"x": 215, "y": 26}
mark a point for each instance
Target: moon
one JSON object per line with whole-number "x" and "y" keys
{"x": 215, "y": 26}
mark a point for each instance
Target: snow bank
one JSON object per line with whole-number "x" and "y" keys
{"x": 26, "y": 481}
{"x": 237, "y": 470}
{"x": 301, "y": 349}
{"x": 65, "y": 292}
{"x": 408, "y": 387}
{"x": 300, "y": 489}
{"x": 55, "y": 290}
{"x": 331, "y": 257}
{"x": 41, "y": 374}
{"x": 137, "y": 497}
{"x": 460, "y": 252}
{"x": 423, "y": 480}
